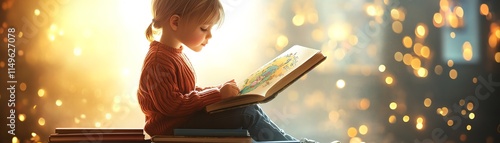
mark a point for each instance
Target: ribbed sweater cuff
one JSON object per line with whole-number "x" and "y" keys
{"x": 210, "y": 96}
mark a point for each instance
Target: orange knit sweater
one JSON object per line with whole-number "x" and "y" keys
{"x": 167, "y": 92}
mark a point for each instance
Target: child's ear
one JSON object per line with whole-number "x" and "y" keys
{"x": 174, "y": 22}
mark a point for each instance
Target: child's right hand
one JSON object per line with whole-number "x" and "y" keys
{"x": 229, "y": 89}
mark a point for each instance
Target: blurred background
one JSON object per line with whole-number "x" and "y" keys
{"x": 397, "y": 70}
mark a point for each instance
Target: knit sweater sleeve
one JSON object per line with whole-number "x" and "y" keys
{"x": 166, "y": 97}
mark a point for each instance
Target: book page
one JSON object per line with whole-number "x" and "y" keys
{"x": 265, "y": 77}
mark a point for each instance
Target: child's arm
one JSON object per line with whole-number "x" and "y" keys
{"x": 167, "y": 98}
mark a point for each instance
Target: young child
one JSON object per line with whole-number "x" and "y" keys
{"x": 168, "y": 94}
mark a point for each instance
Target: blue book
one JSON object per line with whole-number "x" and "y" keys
{"x": 212, "y": 132}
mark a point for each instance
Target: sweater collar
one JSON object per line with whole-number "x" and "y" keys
{"x": 168, "y": 48}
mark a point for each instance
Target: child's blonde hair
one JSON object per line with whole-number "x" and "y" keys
{"x": 190, "y": 11}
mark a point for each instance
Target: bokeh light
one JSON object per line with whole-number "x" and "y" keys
{"x": 393, "y": 105}
{"x": 340, "y": 83}
{"x": 406, "y": 118}
{"x": 427, "y": 102}
{"x": 78, "y": 65}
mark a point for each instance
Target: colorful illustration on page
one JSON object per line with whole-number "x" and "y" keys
{"x": 275, "y": 69}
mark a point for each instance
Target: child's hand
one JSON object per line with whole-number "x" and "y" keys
{"x": 229, "y": 89}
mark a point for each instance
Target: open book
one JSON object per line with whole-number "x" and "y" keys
{"x": 270, "y": 79}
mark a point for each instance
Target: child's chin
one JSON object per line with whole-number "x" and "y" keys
{"x": 197, "y": 49}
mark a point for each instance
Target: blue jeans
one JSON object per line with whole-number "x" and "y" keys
{"x": 252, "y": 118}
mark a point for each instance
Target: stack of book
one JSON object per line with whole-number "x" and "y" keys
{"x": 101, "y": 135}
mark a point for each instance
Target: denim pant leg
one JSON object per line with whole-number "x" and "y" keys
{"x": 252, "y": 118}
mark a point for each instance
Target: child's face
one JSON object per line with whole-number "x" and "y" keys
{"x": 196, "y": 36}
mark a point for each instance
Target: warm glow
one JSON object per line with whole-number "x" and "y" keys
{"x": 444, "y": 111}
{"x": 22, "y": 117}
{"x": 438, "y": 20}
{"x": 497, "y": 57}
{"x": 420, "y": 120}
{"x": 352, "y": 132}
{"x": 363, "y": 129}
{"x": 23, "y": 86}
{"x": 407, "y": 58}
{"x": 339, "y": 31}
{"x": 333, "y": 116}
{"x": 381, "y": 68}
{"x": 393, "y": 105}
{"x": 415, "y": 63}
{"x": 469, "y": 127}
{"x": 37, "y": 12}
{"x": 425, "y": 51}
{"x": 450, "y": 63}
{"x": 421, "y": 30}
{"x": 461, "y": 102}
{"x": 497, "y": 33}
{"x": 470, "y": 106}
{"x": 371, "y": 10}
{"x": 397, "y": 27}
{"x": 58, "y": 102}
{"x": 472, "y": 116}
{"x": 388, "y": 80}
{"x": 453, "y": 21}
{"x": 492, "y": 41}
{"x": 398, "y": 56}
{"x": 444, "y": 5}
{"x": 353, "y": 40}
{"x": 392, "y": 119}
{"x": 364, "y": 104}
{"x": 407, "y": 42}
{"x": 77, "y": 51}
{"x": 281, "y": 42}
{"x": 452, "y": 35}
{"x": 406, "y": 118}
{"x": 298, "y": 20}
{"x": 97, "y": 124}
{"x": 427, "y": 102}
{"x": 41, "y": 92}
{"x": 402, "y": 14}
{"x": 419, "y": 126}
{"x": 395, "y": 14}
{"x": 484, "y": 10}
{"x": 15, "y": 140}
{"x": 76, "y": 120}
{"x": 340, "y": 83}
{"x": 108, "y": 116}
{"x": 317, "y": 35}
{"x": 422, "y": 72}
{"x": 417, "y": 47}
{"x": 459, "y": 11}
{"x": 453, "y": 74}
{"x": 449, "y": 123}
{"x": 41, "y": 121}
{"x": 467, "y": 51}
{"x": 439, "y": 111}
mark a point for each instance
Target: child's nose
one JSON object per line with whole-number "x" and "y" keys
{"x": 209, "y": 35}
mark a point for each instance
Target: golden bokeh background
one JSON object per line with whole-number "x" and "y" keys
{"x": 397, "y": 70}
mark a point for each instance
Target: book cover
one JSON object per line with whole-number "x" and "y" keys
{"x": 212, "y": 132}
{"x": 165, "y": 139}
{"x": 96, "y": 137}
{"x": 273, "y": 77}
{"x": 98, "y": 130}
